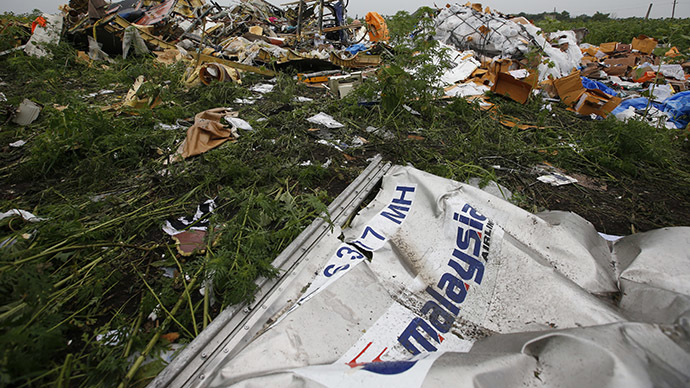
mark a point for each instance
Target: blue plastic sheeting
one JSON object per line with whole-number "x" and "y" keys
{"x": 592, "y": 84}
{"x": 637, "y": 103}
{"x": 677, "y": 107}
{"x": 355, "y": 48}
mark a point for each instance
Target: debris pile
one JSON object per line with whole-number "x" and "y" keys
{"x": 487, "y": 50}
{"x": 512, "y": 57}
{"x": 222, "y": 42}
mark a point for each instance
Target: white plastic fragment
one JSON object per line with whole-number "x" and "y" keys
{"x": 247, "y": 101}
{"x": 624, "y": 84}
{"x": 409, "y": 109}
{"x": 465, "y": 65}
{"x": 99, "y": 93}
{"x": 330, "y": 144}
{"x": 168, "y": 127}
{"x": 325, "y": 120}
{"x": 303, "y": 99}
{"x": 519, "y": 73}
{"x": 195, "y": 222}
{"x": 239, "y": 123}
{"x": 626, "y": 114}
{"x": 111, "y": 338}
{"x": 557, "y": 179}
{"x": 154, "y": 314}
{"x": 382, "y": 132}
{"x": 169, "y": 272}
{"x": 17, "y": 143}
{"x": 262, "y": 88}
{"x": 22, "y": 213}
{"x": 95, "y": 52}
{"x": 28, "y": 112}
{"x": 132, "y": 38}
{"x": 466, "y": 90}
{"x": 661, "y": 92}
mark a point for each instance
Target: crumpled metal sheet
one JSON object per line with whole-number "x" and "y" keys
{"x": 50, "y": 34}
{"x": 440, "y": 283}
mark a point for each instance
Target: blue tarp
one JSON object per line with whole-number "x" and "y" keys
{"x": 592, "y": 84}
{"x": 355, "y": 48}
{"x": 676, "y": 106}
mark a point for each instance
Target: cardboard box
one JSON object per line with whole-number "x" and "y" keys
{"x": 584, "y": 101}
{"x": 678, "y": 86}
{"x": 609, "y": 47}
{"x": 516, "y": 90}
{"x": 549, "y": 88}
{"x": 617, "y": 70}
{"x": 628, "y": 61}
{"x": 592, "y": 51}
{"x": 644, "y": 44}
{"x": 623, "y": 48}
{"x": 569, "y": 88}
{"x": 593, "y": 71}
{"x": 597, "y": 102}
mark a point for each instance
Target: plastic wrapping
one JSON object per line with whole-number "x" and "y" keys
{"x": 592, "y": 84}
{"x": 494, "y": 36}
{"x": 132, "y": 37}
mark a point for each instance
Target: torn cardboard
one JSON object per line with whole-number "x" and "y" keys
{"x": 644, "y": 44}
{"x": 516, "y": 90}
{"x": 584, "y": 101}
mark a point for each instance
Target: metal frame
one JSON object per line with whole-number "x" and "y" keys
{"x": 235, "y": 326}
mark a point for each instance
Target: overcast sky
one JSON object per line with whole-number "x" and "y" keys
{"x": 619, "y": 8}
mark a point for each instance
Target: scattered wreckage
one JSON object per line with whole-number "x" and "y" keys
{"x": 487, "y": 50}
{"x": 409, "y": 305}
{"x": 223, "y": 41}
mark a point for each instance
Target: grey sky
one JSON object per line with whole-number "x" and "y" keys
{"x": 620, "y": 8}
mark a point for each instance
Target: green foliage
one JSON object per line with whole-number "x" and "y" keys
{"x": 403, "y": 25}
{"x": 262, "y": 226}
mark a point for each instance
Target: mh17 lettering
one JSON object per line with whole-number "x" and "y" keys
{"x": 464, "y": 267}
{"x": 395, "y": 212}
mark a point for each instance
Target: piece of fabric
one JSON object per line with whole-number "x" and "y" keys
{"x": 207, "y": 132}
